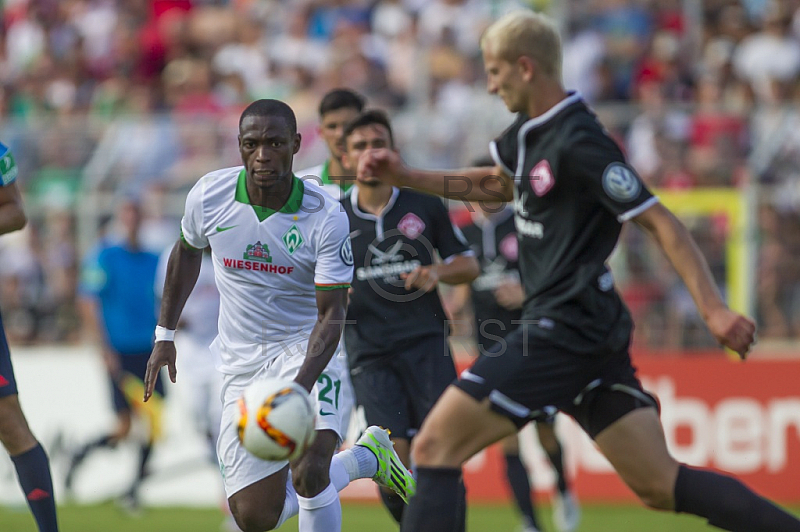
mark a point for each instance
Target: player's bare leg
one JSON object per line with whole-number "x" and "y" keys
{"x": 15, "y": 434}
{"x": 260, "y": 506}
{"x": 636, "y": 447}
{"x": 457, "y": 427}
{"x": 320, "y": 509}
{"x": 266, "y": 504}
{"x": 30, "y": 462}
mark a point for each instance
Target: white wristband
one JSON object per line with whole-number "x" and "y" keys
{"x": 164, "y": 335}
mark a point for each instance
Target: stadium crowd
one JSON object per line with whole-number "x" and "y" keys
{"x": 139, "y": 97}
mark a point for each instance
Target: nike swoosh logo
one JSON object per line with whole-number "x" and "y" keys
{"x": 325, "y": 413}
{"x": 221, "y": 229}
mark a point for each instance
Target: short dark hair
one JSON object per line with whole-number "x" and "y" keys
{"x": 270, "y": 108}
{"x": 367, "y": 118}
{"x": 341, "y": 99}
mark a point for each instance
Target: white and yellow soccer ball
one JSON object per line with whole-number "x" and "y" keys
{"x": 276, "y": 419}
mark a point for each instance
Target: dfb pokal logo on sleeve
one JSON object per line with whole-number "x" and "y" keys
{"x": 621, "y": 183}
{"x": 411, "y": 225}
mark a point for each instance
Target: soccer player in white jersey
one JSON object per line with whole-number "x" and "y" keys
{"x": 283, "y": 265}
{"x": 337, "y": 108}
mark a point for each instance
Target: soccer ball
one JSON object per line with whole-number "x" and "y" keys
{"x": 276, "y": 419}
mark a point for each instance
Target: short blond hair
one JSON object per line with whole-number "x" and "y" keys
{"x": 529, "y": 34}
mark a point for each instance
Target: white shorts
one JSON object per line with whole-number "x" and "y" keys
{"x": 240, "y": 468}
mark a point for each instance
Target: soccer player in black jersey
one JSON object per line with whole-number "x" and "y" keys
{"x": 497, "y": 297}
{"x": 30, "y": 460}
{"x": 571, "y": 189}
{"x": 396, "y": 329}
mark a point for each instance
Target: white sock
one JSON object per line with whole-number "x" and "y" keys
{"x": 340, "y": 478}
{"x": 344, "y": 469}
{"x": 358, "y": 461}
{"x": 290, "y": 504}
{"x": 322, "y": 513}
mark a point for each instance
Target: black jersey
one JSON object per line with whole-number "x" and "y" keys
{"x": 409, "y": 232}
{"x": 494, "y": 241}
{"x": 573, "y": 191}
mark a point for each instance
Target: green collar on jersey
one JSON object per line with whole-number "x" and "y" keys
{"x": 326, "y": 180}
{"x": 292, "y": 204}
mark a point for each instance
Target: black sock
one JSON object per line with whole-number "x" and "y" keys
{"x": 80, "y": 456}
{"x": 728, "y": 504}
{"x": 33, "y": 470}
{"x": 394, "y": 503}
{"x": 436, "y": 506}
{"x": 521, "y": 488}
{"x": 461, "y": 508}
{"x": 141, "y": 472}
{"x": 557, "y": 460}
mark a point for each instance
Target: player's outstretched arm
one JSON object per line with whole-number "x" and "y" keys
{"x": 183, "y": 269}
{"x": 460, "y": 269}
{"x": 483, "y": 183}
{"x": 730, "y": 328}
{"x": 12, "y": 213}
{"x": 331, "y": 311}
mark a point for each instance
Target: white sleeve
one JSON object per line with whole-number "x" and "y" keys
{"x": 192, "y": 229}
{"x": 334, "y": 267}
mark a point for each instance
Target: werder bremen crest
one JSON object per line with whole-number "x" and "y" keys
{"x": 293, "y": 239}
{"x": 257, "y": 251}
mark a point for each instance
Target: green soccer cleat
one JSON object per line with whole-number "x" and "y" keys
{"x": 391, "y": 473}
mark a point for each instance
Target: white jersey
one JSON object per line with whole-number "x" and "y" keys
{"x": 267, "y": 264}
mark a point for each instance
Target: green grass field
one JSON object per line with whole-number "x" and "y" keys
{"x": 357, "y": 518}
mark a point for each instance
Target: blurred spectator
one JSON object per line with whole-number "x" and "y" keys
{"x": 103, "y": 95}
{"x": 626, "y": 27}
{"x": 246, "y": 57}
{"x": 584, "y": 49}
{"x": 769, "y": 60}
{"x": 136, "y": 148}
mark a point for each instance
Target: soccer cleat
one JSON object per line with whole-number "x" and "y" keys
{"x": 391, "y": 472}
{"x": 129, "y": 503}
{"x": 528, "y": 526}
{"x": 566, "y": 512}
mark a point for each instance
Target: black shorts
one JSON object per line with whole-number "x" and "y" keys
{"x": 531, "y": 379}
{"x": 398, "y": 390}
{"x": 133, "y": 366}
{"x": 8, "y": 384}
